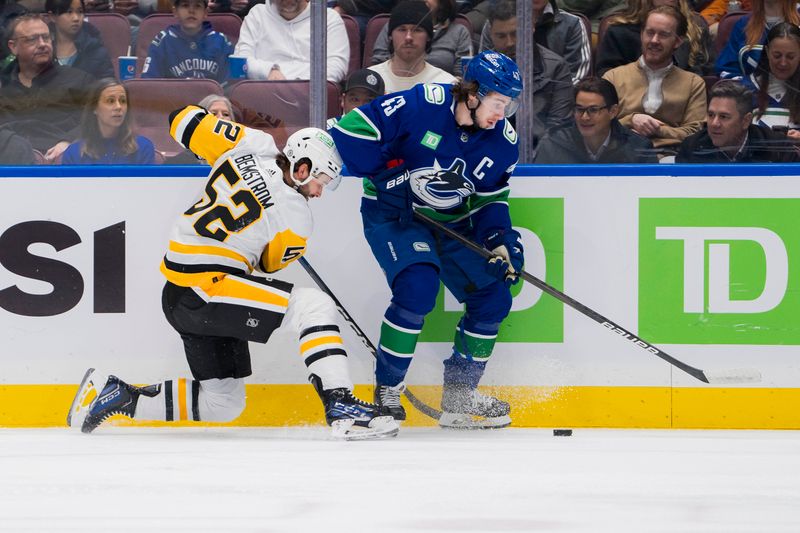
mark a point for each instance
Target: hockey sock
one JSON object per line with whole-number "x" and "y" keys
{"x": 399, "y": 333}
{"x": 323, "y": 352}
{"x": 210, "y": 400}
{"x": 472, "y": 346}
{"x": 177, "y": 399}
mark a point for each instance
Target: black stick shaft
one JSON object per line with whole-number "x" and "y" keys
{"x": 594, "y": 315}
{"x": 416, "y": 402}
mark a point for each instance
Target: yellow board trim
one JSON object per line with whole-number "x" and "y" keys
{"x": 573, "y": 407}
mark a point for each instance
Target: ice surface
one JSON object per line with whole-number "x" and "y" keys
{"x": 427, "y": 479}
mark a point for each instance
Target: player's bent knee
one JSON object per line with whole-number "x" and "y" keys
{"x": 415, "y": 288}
{"x": 221, "y": 400}
{"x": 310, "y": 307}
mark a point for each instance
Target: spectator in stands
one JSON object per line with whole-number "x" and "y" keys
{"x": 14, "y": 150}
{"x": 219, "y": 106}
{"x": 594, "y": 10}
{"x": 276, "y": 40}
{"x": 237, "y": 7}
{"x": 8, "y": 11}
{"x": 747, "y": 36}
{"x": 361, "y": 87}
{"x": 560, "y": 32}
{"x": 106, "y": 134}
{"x": 362, "y": 10}
{"x": 411, "y": 30}
{"x": 778, "y": 80}
{"x": 73, "y": 44}
{"x": 622, "y": 43}
{"x": 552, "y": 80}
{"x": 189, "y": 49}
{"x": 712, "y": 12}
{"x": 658, "y": 99}
{"x": 596, "y": 136}
{"x": 40, "y": 100}
{"x": 729, "y": 135}
{"x": 450, "y": 43}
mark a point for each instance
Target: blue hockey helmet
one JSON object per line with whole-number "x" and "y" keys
{"x": 495, "y": 72}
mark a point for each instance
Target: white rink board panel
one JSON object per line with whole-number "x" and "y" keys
{"x": 600, "y": 269}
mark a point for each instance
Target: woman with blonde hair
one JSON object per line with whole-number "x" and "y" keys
{"x": 107, "y": 137}
{"x": 622, "y": 42}
{"x": 740, "y": 57}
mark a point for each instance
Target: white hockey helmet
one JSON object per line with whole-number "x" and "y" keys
{"x": 317, "y": 145}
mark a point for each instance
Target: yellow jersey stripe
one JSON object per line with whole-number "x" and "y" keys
{"x": 233, "y": 288}
{"x": 208, "y": 250}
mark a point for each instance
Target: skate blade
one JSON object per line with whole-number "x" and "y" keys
{"x": 465, "y": 421}
{"x": 380, "y": 427}
{"x": 84, "y": 398}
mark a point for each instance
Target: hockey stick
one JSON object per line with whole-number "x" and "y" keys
{"x": 743, "y": 375}
{"x": 416, "y": 402}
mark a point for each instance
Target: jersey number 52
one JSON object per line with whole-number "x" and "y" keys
{"x": 217, "y": 212}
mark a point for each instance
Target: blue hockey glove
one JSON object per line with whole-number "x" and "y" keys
{"x": 509, "y": 256}
{"x": 394, "y": 194}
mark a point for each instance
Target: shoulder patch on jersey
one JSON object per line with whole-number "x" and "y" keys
{"x": 160, "y": 37}
{"x": 510, "y": 133}
{"x": 434, "y": 93}
{"x": 356, "y": 124}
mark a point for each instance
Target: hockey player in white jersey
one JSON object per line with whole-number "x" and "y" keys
{"x": 252, "y": 214}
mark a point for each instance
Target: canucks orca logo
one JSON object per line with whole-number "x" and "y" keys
{"x": 442, "y": 188}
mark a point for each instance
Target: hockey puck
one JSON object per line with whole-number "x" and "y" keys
{"x": 562, "y": 432}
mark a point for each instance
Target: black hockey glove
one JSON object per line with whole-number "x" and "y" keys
{"x": 394, "y": 194}
{"x": 509, "y": 257}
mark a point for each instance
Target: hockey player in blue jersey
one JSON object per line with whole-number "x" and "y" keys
{"x": 448, "y": 151}
{"x": 189, "y": 49}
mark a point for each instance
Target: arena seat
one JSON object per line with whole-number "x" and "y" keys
{"x": 115, "y": 31}
{"x": 152, "y": 100}
{"x": 724, "y": 29}
{"x": 351, "y": 26}
{"x": 279, "y": 107}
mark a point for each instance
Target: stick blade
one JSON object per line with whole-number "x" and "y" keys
{"x": 731, "y": 376}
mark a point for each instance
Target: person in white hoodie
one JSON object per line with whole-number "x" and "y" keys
{"x": 276, "y": 40}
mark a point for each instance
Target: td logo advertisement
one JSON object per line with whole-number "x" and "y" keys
{"x": 719, "y": 271}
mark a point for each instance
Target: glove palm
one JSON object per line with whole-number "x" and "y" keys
{"x": 509, "y": 256}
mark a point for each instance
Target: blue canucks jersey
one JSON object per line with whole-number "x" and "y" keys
{"x": 174, "y": 54}
{"x": 455, "y": 173}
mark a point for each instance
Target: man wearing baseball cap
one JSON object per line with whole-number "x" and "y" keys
{"x": 362, "y": 87}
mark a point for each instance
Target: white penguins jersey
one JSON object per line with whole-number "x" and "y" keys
{"x": 246, "y": 216}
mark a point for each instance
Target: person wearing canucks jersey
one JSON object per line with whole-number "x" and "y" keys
{"x": 447, "y": 151}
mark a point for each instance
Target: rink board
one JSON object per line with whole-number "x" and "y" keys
{"x": 704, "y": 267}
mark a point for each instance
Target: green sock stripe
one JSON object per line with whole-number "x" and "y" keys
{"x": 477, "y": 347}
{"x": 397, "y": 340}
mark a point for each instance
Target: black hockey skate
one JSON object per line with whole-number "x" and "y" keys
{"x": 388, "y": 398}
{"x": 467, "y": 408}
{"x": 100, "y": 397}
{"x": 351, "y": 418}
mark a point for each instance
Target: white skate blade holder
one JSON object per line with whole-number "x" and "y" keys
{"x": 87, "y": 393}
{"x": 380, "y": 427}
{"x": 466, "y": 421}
